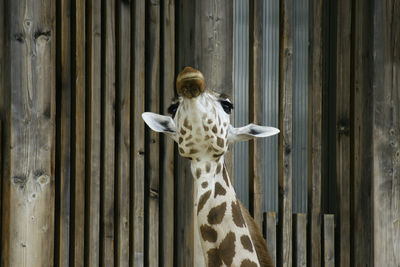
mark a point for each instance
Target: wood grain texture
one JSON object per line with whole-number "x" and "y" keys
{"x": 108, "y": 135}
{"x": 123, "y": 94}
{"x": 329, "y": 240}
{"x": 167, "y": 144}
{"x": 315, "y": 134}
{"x": 361, "y": 138}
{"x": 93, "y": 133}
{"x": 137, "y": 134}
{"x": 386, "y": 133}
{"x": 256, "y": 111}
{"x": 63, "y": 160}
{"x": 285, "y": 137}
{"x": 270, "y": 233}
{"x": 29, "y": 89}
{"x": 152, "y": 85}
{"x": 300, "y": 239}
{"x": 343, "y": 129}
{"x": 78, "y": 135}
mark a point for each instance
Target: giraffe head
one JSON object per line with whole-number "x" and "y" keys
{"x": 200, "y": 122}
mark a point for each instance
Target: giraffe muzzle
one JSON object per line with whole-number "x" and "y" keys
{"x": 190, "y": 83}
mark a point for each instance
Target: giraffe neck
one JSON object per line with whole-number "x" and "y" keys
{"x": 224, "y": 235}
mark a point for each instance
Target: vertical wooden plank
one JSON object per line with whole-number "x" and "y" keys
{"x": 63, "y": 125}
{"x": 152, "y": 87}
{"x": 285, "y": 138}
{"x": 256, "y": 110}
{"x": 300, "y": 239}
{"x": 167, "y": 144}
{"x": 329, "y": 240}
{"x": 270, "y": 233}
{"x": 343, "y": 128}
{"x": 184, "y": 235}
{"x": 78, "y": 135}
{"x": 315, "y": 134}
{"x": 361, "y": 138}
{"x": 123, "y": 131}
{"x": 108, "y": 134}
{"x": 386, "y": 133}
{"x": 29, "y": 89}
{"x": 93, "y": 133}
{"x": 137, "y": 135}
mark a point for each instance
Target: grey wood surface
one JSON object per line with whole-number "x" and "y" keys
{"x": 315, "y": 134}
{"x": 270, "y": 234}
{"x": 329, "y": 240}
{"x": 93, "y": 133}
{"x": 300, "y": 239}
{"x": 285, "y": 137}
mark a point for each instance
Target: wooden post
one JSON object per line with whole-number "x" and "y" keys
{"x": 93, "y": 130}
{"x": 152, "y": 85}
{"x": 300, "y": 239}
{"x": 63, "y": 161}
{"x": 329, "y": 240}
{"x": 315, "y": 134}
{"x": 137, "y": 134}
{"x": 28, "y": 113}
{"x": 78, "y": 134}
{"x": 386, "y": 133}
{"x": 167, "y": 144}
{"x": 108, "y": 135}
{"x": 343, "y": 89}
{"x": 123, "y": 95}
{"x": 270, "y": 234}
{"x": 256, "y": 110}
{"x": 362, "y": 234}
{"x": 285, "y": 137}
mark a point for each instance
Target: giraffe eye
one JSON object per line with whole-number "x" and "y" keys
{"x": 227, "y": 106}
{"x": 173, "y": 108}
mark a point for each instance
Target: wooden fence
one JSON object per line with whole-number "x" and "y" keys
{"x": 83, "y": 183}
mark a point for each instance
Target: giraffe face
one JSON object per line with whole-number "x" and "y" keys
{"x": 200, "y": 121}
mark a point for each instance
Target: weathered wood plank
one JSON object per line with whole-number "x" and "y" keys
{"x": 256, "y": 110}
{"x": 329, "y": 240}
{"x": 270, "y": 234}
{"x": 152, "y": 85}
{"x": 300, "y": 239}
{"x": 285, "y": 138}
{"x": 315, "y": 134}
{"x": 29, "y": 89}
{"x": 108, "y": 134}
{"x": 362, "y": 135}
{"x": 386, "y": 133}
{"x": 184, "y": 228}
{"x": 123, "y": 131}
{"x": 93, "y": 129}
{"x": 63, "y": 124}
{"x": 167, "y": 144}
{"x": 343, "y": 128}
{"x": 78, "y": 134}
{"x": 137, "y": 134}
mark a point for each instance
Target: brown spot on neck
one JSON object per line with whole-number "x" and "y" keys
{"x": 237, "y": 215}
{"x": 248, "y": 263}
{"x": 208, "y": 233}
{"x": 218, "y": 170}
{"x": 219, "y": 190}
{"x": 246, "y": 242}
{"x": 187, "y": 124}
{"x": 214, "y": 129}
{"x": 227, "y": 248}
{"x": 216, "y": 214}
{"x": 198, "y": 173}
{"x": 208, "y": 167}
{"x": 214, "y": 259}
{"x": 225, "y": 176}
{"x": 202, "y": 201}
{"x": 204, "y": 184}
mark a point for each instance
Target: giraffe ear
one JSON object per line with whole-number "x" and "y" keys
{"x": 250, "y": 131}
{"x": 160, "y": 123}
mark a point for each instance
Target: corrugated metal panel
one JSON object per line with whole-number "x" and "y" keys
{"x": 241, "y": 96}
{"x": 300, "y": 105}
{"x": 271, "y": 101}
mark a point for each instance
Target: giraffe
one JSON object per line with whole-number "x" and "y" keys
{"x": 200, "y": 124}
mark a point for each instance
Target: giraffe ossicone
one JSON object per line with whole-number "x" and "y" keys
{"x": 200, "y": 124}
